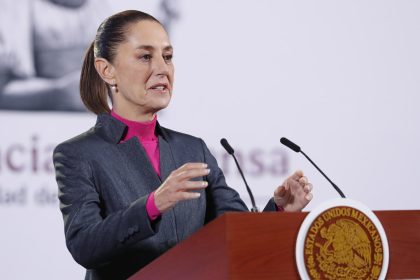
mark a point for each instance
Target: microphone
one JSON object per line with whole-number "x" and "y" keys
{"x": 297, "y": 149}
{"x": 230, "y": 151}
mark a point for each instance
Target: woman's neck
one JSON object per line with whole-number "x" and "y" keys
{"x": 144, "y": 131}
{"x": 135, "y": 116}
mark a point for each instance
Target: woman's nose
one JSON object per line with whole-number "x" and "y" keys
{"x": 160, "y": 66}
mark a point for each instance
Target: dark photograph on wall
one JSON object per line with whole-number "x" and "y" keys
{"x": 42, "y": 45}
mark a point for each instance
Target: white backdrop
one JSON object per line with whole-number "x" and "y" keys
{"x": 341, "y": 78}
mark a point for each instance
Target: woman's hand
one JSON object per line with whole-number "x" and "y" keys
{"x": 294, "y": 194}
{"x": 178, "y": 187}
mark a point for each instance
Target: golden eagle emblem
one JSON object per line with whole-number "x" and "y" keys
{"x": 346, "y": 253}
{"x": 342, "y": 244}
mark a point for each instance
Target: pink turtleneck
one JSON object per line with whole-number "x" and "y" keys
{"x": 145, "y": 133}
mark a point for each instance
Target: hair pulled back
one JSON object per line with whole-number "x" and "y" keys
{"x": 111, "y": 33}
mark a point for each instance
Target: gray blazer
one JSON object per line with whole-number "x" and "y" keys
{"x": 103, "y": 188}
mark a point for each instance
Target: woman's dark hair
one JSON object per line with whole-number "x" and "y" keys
{"x": 112, "y": 32}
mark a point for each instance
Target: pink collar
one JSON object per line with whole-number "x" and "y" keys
{"x": 145, "y": 131}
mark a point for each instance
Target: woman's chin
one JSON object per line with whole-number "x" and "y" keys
{"x": 161, "y": 104}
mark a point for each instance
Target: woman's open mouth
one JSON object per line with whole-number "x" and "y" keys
{"x": 159, "y": 89}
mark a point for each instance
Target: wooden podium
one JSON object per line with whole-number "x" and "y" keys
{"x": 262, "y": 246}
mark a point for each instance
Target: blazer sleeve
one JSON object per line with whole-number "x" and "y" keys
{"x": 220, "y": 197}
{"x": 92, "y": 239}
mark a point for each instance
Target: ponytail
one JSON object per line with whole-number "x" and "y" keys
{"x": 93, "y": 90}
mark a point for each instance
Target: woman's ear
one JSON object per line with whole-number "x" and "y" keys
{"x": 106, "y": 70}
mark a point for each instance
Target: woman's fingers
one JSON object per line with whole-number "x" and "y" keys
{"x": 193, "y": 185}
{"x": 192, "y": 173}
{"x": 189, "y": 166}
{"x": 295, "y": 192}
{"x": 297, "y": 175}
{"x": 189, "y": 171}
{"x": 179, "y": 185}
{"x": 308, "y": 188}
{"x": 186, "y": 195}
{"x": 303, "y": 181}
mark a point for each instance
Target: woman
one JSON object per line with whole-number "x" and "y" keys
{"x": 129, "y": 188}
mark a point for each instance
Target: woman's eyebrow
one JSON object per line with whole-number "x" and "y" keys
{"x": 151, "y": 48}
{"x": 168, "y": 48}
{"x": 145, "y": 47}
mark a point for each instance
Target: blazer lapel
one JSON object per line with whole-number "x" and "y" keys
{"x": 167, "y": 162}
{"x": 140, "y": 164}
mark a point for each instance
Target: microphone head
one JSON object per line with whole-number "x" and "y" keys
{"x": 226, "y": 145}
{"x": 290, "y": 144}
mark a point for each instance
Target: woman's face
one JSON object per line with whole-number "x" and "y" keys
{"x": 143, "y": 71}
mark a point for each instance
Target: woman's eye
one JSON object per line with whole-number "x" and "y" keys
{"x": 146, "y": 57}
{"x": 168, "y": 58}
